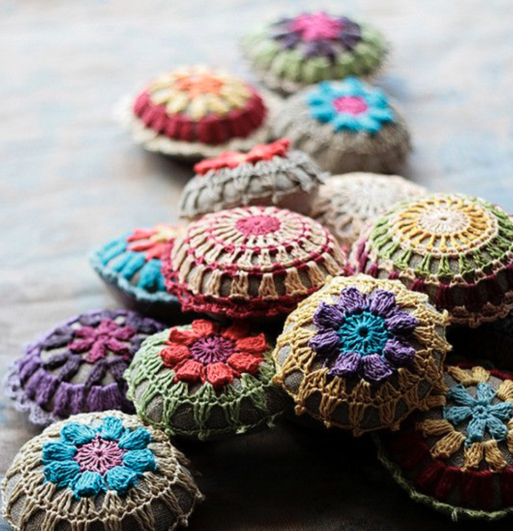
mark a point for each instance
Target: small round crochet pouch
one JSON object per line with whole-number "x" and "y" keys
{"x": 206, "y": 381}
{"x": 269, "y": 174}
{"x": 456, "y": 248}
{"x": 196, "y": 112}
{"x": 99, "y": 472}
{"x": 346, "y": 204}
{"x": 361, "y": 354}
{"x": 291, "y": 53}
{"x": 78, "y": 366}
{"x": 251, "y": 262}
{"x": 131, "y": 267}
{"x": 345, "y": 126}
{"x": 457, "y": 455}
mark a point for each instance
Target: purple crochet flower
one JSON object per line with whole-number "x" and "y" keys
{"x": 79, "y": 366}
{"x": 363, "y": 335}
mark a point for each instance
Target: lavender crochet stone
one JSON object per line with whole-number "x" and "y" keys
{"x": 78, "y": 366}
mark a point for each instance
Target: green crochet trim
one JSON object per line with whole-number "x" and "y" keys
{"x": 201, "y": 412}
{"x": 268, "y": 56}
{"x": 483, "y": 256}
{"x": 456, "y": 513}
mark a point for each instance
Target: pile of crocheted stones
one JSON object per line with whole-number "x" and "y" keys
{"x": 285, "y": 289}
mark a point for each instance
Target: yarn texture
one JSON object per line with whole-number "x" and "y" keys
{"x": 293, "y": 52}
{"x": 251, "y": 262}
{"x": 269, "y": 174}
{"x": 101, "y": 472}
{"x": 345, "y": 126}
{"x": 346, "y": 203}
{"x": 456, "y": 456}
{"x": 131, "y": 265}
{"x": 78, "y": 366}
{"x": 456, "y": 248}
{"x": 206, "y": 381}
{"x": 197, "y": 112}
{"x": 361, "y": 354}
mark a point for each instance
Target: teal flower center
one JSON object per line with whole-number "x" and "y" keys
{"x": 364, "y": 333}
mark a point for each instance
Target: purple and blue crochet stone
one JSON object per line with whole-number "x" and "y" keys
{"x": 78, "y": 366}
{"x": 91, "y": 460}
{"x": 482, "y": 412}
{"x": 363, "y": 336}
{"x": 350, "y": 105}
{"x": 132, "y": 266}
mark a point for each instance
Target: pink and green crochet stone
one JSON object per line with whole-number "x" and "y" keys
{"x": 78, "y": 366}
{"x": 206, "y": 381}
{"x": 293, "y": 52}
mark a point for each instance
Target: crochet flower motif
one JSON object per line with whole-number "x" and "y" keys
{"x": 232, "y": 159}
{"x": 209, "y": 352}
{"x": 350, "y": 105}
{"x": 363, "y": 335}
{"x": 152, "y": 242}
{"x": 109, "y": 336}
{"x": 93, "y": 460}
{"x": 322, "y": 34}
{"x": 482, "y": 412}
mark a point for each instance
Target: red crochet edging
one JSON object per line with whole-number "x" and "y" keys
{"x": 211, "y": 129}
{"x": 443, "y": 299}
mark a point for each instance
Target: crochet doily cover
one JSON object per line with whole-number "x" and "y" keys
{"x": 196, "y": 112}
{"x": 251, "y": 262}
{"x": 345, "y": 126}
{"x": 361, "y": 354}
{"x": 457, "y": 455}
{"x": 457, "y": 249}
{"x": 132, "y": 265}
{"x": 78, "y": 366}
{"x": 312, "y": 47}
{"x": 269, "y": 174}
{"x": 99, "y": 472}
{"x": 346, "y": 203}
{"x": 206, "y": 381}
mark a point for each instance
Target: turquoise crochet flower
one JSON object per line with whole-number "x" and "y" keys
{"x": 350, "y": 105}
{"x": 93, "y": 460}
{"x": 483, "y": 413}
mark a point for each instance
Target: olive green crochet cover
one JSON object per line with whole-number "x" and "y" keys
{"x": 199, "y": 411}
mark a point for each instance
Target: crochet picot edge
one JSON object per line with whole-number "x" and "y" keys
{"x": 456, "y": 513}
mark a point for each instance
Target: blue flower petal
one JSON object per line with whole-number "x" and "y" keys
{"x": 457, "y": 414}
{"x": 346, "y": 121}
{"x": 376, "y": 99}
{"x": 140, "y": 460}
{"x": 475, "y": 430}
{"x": 460, "y": 395}
{"x": 381, "y": 115}
{"x": 121, "y": 479}
{"x": 128, "y": 264}
{"x": 150, "y": 276}
{"x": 58, "y": 451}
{"x": 62, "y": 473}
{"x": 354, "y": 86}
{"x": 76, "y": 433}
{"x": 502, "y": 411}
{"x": 111, "y": 429}
{"x": 88, "y": 484}
{"x": 323, "y": 113}
{"x": 485, "y": 394}
{"x": 498, "y": 430}
{"x": 137, "y": 439}
{"x": 369, "y": 124}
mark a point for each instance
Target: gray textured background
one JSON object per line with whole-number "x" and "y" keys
{"x": 70, "y": 179}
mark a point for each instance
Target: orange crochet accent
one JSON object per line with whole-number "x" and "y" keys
{"x": 200, "y": 84}
{"x": 252, "y": 261}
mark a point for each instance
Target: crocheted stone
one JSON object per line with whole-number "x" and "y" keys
{"x": 251, "y": 262}
{"x": 196, "y": 112}
{"x": 346, "y": 204}
{"x": 457, "y": 455}
{"x": 291, "y": 53}
{"x": 78, "y": 366}
{"x": 131, "y": 268}
{"x": 345, "y": 126}
{"x": 457, "y": 249}
{"x": 99, "y": 471}
{"x": 268, "y": 174}
{"x": 361, "y": 354}
{"x": 206, "y": 381}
